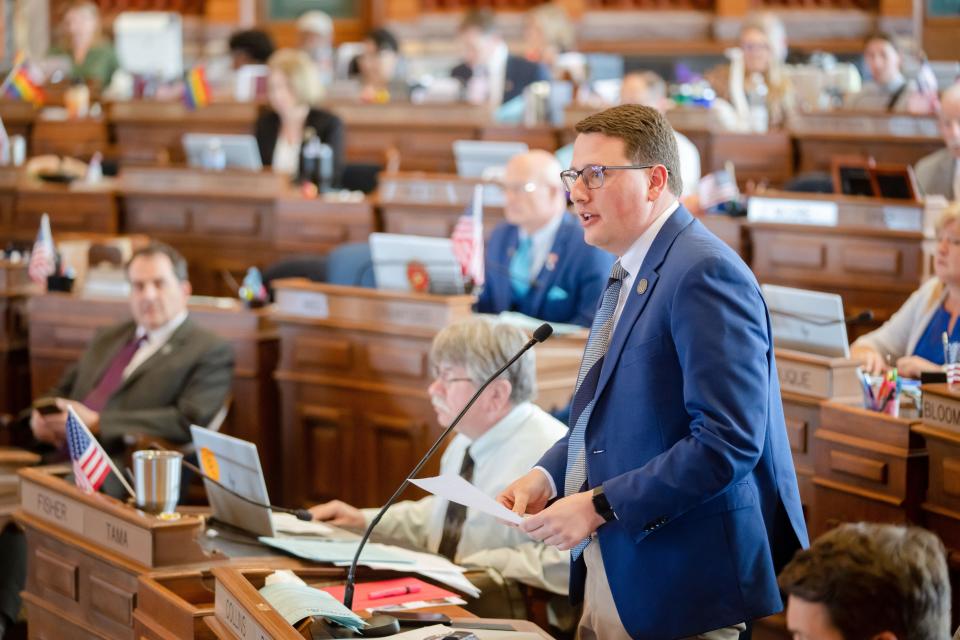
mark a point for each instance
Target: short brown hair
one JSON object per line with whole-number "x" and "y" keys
{"x": 874, "y": 578}
{"x": 156, "y": 248}
{"x": 884, "y": 36}
{"x": 647, "y": 137}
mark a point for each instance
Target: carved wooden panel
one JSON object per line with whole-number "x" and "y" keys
{"x": 111, "y": 601}
{"x": 858, "y": 466}
{"x": 951, "y": 476}
{"x": 394, "y": 444}
{"x": 56, "y": 574}
{"x": 329, "y": 443}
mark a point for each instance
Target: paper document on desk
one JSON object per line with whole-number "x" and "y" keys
{"x": 292, "y": 525}
{"x": 442, "y": 631}
{"x": 340, "y": 552}
{"x": 297, "y": 601}
{"x": 431, "y": 566}
{"x": 455, "y": 489}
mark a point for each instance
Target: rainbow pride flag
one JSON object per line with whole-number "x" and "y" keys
{"x": 197, "y": 92}
{"x": 22, "y": 87}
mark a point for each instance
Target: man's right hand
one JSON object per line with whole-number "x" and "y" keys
{"x": 44, "y": 430}
{"x": 339, "y": 514}
{"x": 528, "y": 494}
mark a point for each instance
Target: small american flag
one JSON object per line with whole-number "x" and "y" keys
{"x": 90, "y": 463}
{"x": 717, "y": 188}
{"x": 468, "y": 240}
{"x": 43, "y": 257}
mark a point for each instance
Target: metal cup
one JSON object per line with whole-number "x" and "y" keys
{"x": 156, "y": 480}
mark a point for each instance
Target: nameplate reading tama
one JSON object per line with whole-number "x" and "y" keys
{"x": 941, "y": 411}
{"x": 788, "y": 211}
{"x": 803, "y": 379}
{"x": 93, "y": 524}
{"x": 228, "y": 610}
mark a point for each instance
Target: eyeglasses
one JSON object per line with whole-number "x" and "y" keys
{"x": 953, "y": 241}
{"x": 592, "y": 175}
{"x": 446, "y": 376}
{"x": 513, "y": 187}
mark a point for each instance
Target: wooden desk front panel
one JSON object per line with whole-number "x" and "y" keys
{"x": 758, "y": 157}
{"x": 802, "y": 415}
{"x": 355, "y": 411}
{"x": 316, "y": 226}
{"x": 71, "y": 210}
{"x": 67, "y": 580}
{"x": 215, "y": 235}
{"x": 870, "y": 270}
{"x": 432, "y": 220}
{"x": 815, "y": 152}
{"x": 74, "y": 138}
{"x": 422, "y": 148}
{"x": 14, "y": 356}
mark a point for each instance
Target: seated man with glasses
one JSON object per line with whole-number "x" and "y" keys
{"x": 503, "y": 434}
{"x": 537, "y": 262}
{"x": 912, "y": 339}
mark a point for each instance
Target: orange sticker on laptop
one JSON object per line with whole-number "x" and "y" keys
{"x": 208, "y": 463}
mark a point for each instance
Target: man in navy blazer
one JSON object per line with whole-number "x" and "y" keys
{"x": 490, "y": 73}
{"x": 537, "y": 262}
{"x": 684, "y": 492}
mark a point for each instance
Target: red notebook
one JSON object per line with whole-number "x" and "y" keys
{"x": 362, "y": 600}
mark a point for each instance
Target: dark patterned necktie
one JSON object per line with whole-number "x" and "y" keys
{"x": 113, "y": 376}
{"x": 456, "y": 514}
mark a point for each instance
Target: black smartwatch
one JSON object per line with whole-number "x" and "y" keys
{"x": 602, "y": 505}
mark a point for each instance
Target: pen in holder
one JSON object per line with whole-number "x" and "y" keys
{"x": 881, "y": 393}
{"x": 951, "y": 361}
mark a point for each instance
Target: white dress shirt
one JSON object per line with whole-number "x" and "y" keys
{"x": 632, "y": 260}
{"x": 154, "y": 341}
{"x": 501, "y": 455}
{"x": 541, "y": 242}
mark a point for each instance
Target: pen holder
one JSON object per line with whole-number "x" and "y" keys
{"x": 880, "y": 395}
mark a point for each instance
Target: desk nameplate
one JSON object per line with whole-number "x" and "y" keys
{"x": 235, "y": 617}
{"x": 791, "y": 211}
{"x": 96, "y": 526}
{"x": 941, "y": 410}
{"x": 823, "y": 379}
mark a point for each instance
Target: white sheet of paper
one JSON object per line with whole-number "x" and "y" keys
{"x": 290, "y": 524}
{"x": 456, "y": 489}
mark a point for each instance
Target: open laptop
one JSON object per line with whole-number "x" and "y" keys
{"x": 239, "y": 150}
{"x": 399, "y": 258}
{"x": 474, "y": 157}
{"x": 808, "y": 321}
{"x": 234, "y": 463}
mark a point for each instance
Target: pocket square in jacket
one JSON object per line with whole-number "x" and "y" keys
{"x": 556, "y": 293}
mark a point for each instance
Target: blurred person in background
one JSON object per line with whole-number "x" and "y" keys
{"x": 379, "y": 68}
{"x": 93, "y": 58}
{"x": 315, "y": 38}
{"x": 888, "y": 90}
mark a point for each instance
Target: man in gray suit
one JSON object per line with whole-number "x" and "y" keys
{"x": 939, "y": 172}
{"x": 155, "y": 375}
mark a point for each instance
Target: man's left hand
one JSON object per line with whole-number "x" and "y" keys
{"x": 87, "y": 415}
{"x": 566, "y": 522}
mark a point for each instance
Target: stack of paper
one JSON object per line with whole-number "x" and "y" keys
{"x": 298, "y": 601}
{"x": 290, "y": 524}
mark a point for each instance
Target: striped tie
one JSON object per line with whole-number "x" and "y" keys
{"x": 590, "y": 366}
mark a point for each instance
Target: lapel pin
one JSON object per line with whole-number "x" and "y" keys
{"x": 552, "y": 261}
{"x": 642, "y": 286}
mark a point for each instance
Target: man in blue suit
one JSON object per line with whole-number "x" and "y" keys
{"x": 676, "y": 490}
{"x": 490, "y": 73}
{"x": 537, "y": 262}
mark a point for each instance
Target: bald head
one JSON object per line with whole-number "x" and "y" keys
{"x": 534, "y": 193}
{"x": 950, "y": 118}
{"x": 645, "y": 88}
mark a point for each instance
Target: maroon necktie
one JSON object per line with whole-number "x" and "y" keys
{"x": 113, "y": 376}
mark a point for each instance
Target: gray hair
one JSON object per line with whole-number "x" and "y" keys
{"x": 483, "y": 345}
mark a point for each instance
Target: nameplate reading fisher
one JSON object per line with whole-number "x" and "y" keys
{"x": 941, "y": 411}
{"x": 109, "y": 532}
{"x": 788, "y": 211}
{"x": 235, "y": 617}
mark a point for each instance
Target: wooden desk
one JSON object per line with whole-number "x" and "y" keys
{"x": 148, "y": 131}
{"x": 353, "y": 379}
{"x": 430, "y": 204}
{"x": 873, "y": 257}
{"x": 61, "y": 327}
{"x": 241, "y": 612}
{"x": 897, "y": 139}
{"x": 11, "y": 461}
{"x": 806, "y": 380}
{"x": 74, "y": 138}
{"x": 75, "y": 208}
{"x": 15, "y": 287}
{"x": 868, "y": 466}
{"x": 941, "y": 429}
{"x": 225, "y": 222}
{"x": 17, "y": 117}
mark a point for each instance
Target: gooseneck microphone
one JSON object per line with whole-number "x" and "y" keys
{"x": 542, "y": 333}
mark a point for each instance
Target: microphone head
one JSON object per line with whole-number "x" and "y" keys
{"x": 543, "y": 332}
{"x": 866, "y": 316}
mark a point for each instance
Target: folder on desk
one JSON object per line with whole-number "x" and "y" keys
{"x": 419, "y": 591}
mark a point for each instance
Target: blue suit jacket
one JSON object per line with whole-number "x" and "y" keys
{"x": 687, "y": 437}
{"x": 519, "y": 73}
{"x": 568, "y": 286}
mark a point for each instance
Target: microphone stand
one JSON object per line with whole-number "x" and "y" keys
{"x": 542, "y": 333}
